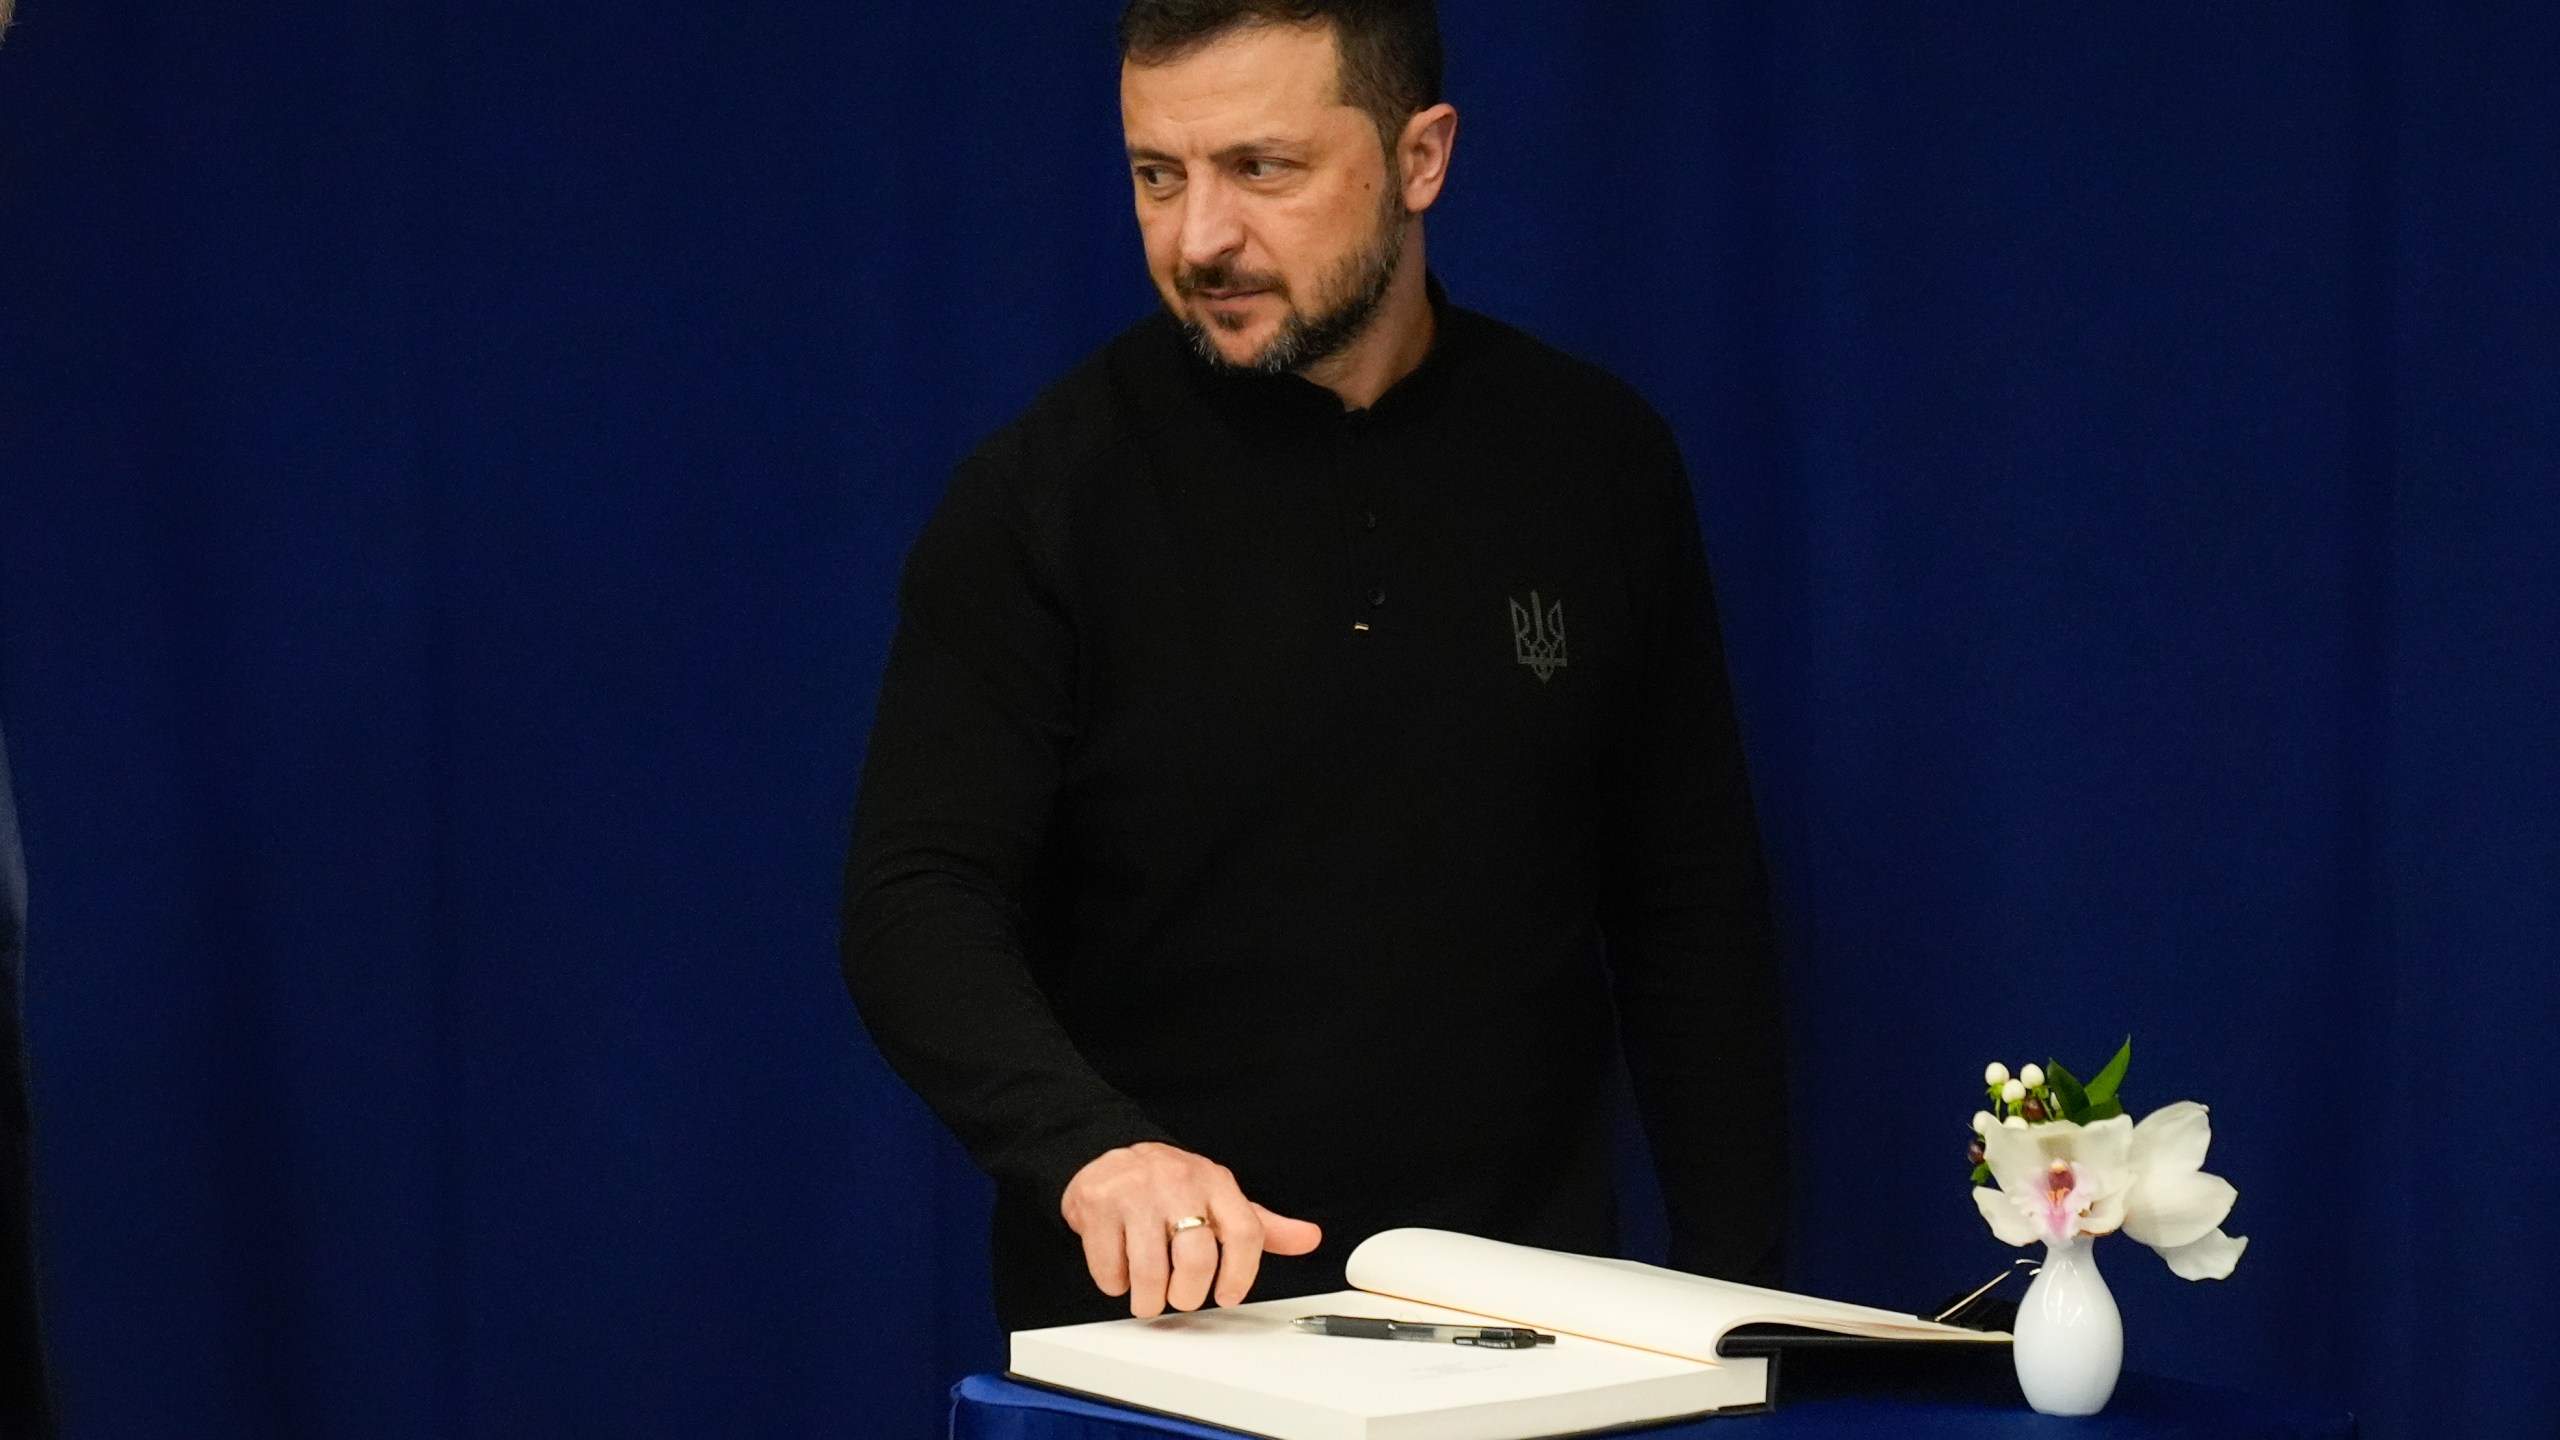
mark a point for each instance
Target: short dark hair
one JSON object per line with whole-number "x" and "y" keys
{"x": 1390, "y": 48}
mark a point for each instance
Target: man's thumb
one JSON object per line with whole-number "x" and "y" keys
{"x": 1284, "y": 1236}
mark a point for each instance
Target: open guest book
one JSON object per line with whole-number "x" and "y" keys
{"x": 1635, "y": 1344}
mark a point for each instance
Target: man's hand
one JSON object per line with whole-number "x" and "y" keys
{"x": 1124, "y": 1205}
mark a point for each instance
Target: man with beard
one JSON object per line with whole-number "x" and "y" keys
{"x": 1284, "y": 711}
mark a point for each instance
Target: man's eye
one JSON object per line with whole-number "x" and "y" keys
{"x": 1261, "y": 169}
{"x": 1152, "y": 176}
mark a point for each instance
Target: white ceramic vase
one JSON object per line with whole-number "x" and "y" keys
{"x": 2070, "y": 1340}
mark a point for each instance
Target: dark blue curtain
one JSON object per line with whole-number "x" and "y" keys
{"x": 454, "y": 459}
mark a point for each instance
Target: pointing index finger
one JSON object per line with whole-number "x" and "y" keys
{"x": 1239, "y": 1243}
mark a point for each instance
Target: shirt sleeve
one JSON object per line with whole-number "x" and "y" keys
{"x": 967, "y": 749}
{"x": 1685, "y": 908}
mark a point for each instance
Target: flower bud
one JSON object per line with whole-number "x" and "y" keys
{"x": 2015, "y": 1122}
{"x": 1982, "y": 1121}
{"x": 1995, "y": 1073}
{"x": 2013, "y": 1091}
{"x": 2032, "y": 1074}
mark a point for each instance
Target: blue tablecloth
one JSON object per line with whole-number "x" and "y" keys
{"x": 990, "y": 1407}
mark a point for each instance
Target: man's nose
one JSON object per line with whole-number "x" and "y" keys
{"x": 1212, "y": 227}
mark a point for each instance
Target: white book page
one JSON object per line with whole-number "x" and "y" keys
{"x": 1246, "y": 1367}
{"x": 1621, "y": 1301}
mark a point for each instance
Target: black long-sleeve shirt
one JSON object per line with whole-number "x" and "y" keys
{"x": 1262, "y": 777}
{"x": 26, "y": 1400}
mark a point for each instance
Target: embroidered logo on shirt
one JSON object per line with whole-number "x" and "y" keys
{"x": 1537, "y": 635}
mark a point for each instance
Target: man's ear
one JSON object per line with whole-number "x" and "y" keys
{"x": 1423, "y": 152}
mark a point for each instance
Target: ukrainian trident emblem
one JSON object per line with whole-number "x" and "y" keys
{"x": 1537, "y": 636}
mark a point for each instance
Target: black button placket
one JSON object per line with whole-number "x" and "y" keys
{"x": 1354, "y": 490}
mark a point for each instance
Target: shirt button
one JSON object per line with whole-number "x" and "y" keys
{"x": 1377, "y": 595}
{"x": 1368, "y": 519}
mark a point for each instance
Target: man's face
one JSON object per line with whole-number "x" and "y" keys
{"x": 1271, "y": 218}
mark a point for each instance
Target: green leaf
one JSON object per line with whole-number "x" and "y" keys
{"x": 2106, "y": 1109}
{"x": 1982, "y": 1173}
{"x": 2103, "y": 1088}
{"x": 2075, "y": 1101}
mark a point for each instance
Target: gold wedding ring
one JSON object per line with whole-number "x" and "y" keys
{"x": 1187, "y": 1222}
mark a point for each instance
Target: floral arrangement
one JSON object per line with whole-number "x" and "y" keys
{"x": 2055, "y": 1159}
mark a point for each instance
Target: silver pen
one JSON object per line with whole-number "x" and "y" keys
{"x": 1363, "y": 1327}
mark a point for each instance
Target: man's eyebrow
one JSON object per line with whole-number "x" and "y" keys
{"x": 1263, "y": 145}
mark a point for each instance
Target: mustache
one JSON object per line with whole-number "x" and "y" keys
{"x": 1220, "y": 275}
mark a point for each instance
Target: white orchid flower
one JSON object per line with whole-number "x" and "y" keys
{"x": 2176, "y": 1208}
{"x": 2059, "y": 1180}
{"x": 2056, "y": 1180}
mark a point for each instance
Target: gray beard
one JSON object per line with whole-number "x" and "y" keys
{"x": 1304, "y": 340}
